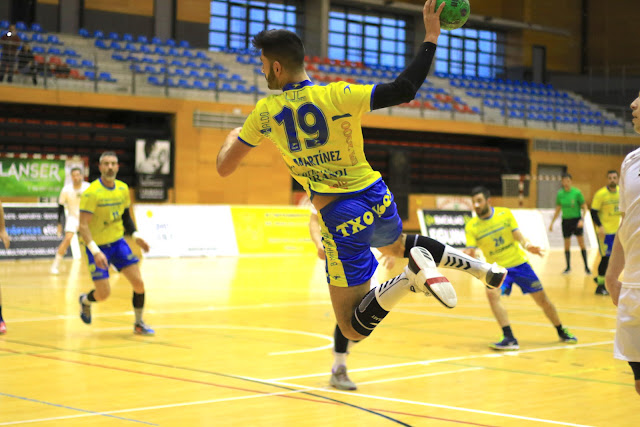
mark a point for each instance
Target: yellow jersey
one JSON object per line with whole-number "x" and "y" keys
{"x": 607, "y": 205}
{"x": 318, "y": 132}
{"x": 107, "y": 206}
{"x": 494, "y": 236}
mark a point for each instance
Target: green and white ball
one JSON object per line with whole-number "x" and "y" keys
{"x": 455, "y": 13}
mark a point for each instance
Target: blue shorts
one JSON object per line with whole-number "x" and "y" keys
{"x": 607, "y": 246}
{"x": 523, "y": 276}
{"x": 350, "y": 226}
{"x": 118, "y": 253}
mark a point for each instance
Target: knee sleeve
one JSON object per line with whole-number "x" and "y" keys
{"x": 635, "y": 367}
{"x": 602, "y": 268}
{"x": 368, "y": 314}
{"x": 433, "y": 246}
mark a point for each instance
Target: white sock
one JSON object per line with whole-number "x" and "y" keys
{"x": 458, "y": 260}
{"x": 57, "y": 260}
{"x": 85, "y": 300}
{"x": 339, "y": 359}
{"x": 390, "y": 292}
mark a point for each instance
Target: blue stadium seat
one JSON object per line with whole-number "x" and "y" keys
{"x": 156, "y": 41}
{"x": 201, "y": 55}
{"x": 150, "y": 69}
{"x": 237, "y": 78}
{"x": 212, "y": 85}
{"x": 84, "y": 33}
{"x": 187, "y": 54}
{"x": 39, "y": 50}
{"x": 118, "y": 57}
{"x": 127, "y": 38}
{"x": 176, "y": 63}
{"x": 219, "y": 67}
{"x": 53, "y": 39}
{"x": 208, "y": 75}
{"x": 161, "y": 61}
{"x": 145, "y": 49}
{"x": 106, "y": 76}
{"x": 115, "y": 45}
{"x": 184, "y": 44}
{"x": 136, "y": 68}
{"x": 71, "y": 52}
{"x": 113, "y": 36}
{"x": 179, "y": 72}
{"x": 159, "y": 51}
{"x": 194, "y": 73}
{"x": 184, "y": 84}
{"x": 226, "y": 87}
{"x": 98, "y": 34}
{"x": 54, "y": 51}
{"x": 4, "y": 24}
{"x": 143, "y": 40}
{"x": 72, "y": 62}
{"x": 133, "y": 58}
{"x": 21, "y": 26}
{"x": 37, "y": 38}
{"x": 87, "y": 63}
{"x": 36, "y": 28}
{"x": 223, "y": 76}
{"x": 147, "y": 60}
{"x": 99, "y": 43}
{"x": 130, "y": 47}
{"x": 197, "y": 84}
{"x": 153, "y": 80}
{"x": 90, "y": 75}
{"x": 162, "y": 70}
{"x": 191, "y": 64}
{"x": 173, "y": 51}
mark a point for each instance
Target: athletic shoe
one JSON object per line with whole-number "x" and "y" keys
{"x": 567, "y": 271}
{"x": 340, "y": 379}
{"x": 601, "y": 290}
{"x": 85, "y": 311}
{"x": 568, "y": 337}
{"x": 507, "y": 344}
{"x": 425, "y": 277}
{"x": 3, "y": 327}
{"x": 54, "y": 270}
{"x": 495, "y": 276}
{"x": 143, "y": 329}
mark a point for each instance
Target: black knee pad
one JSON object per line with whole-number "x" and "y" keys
{"x": 635, "y": 367}
{"x": 433, "y": 246}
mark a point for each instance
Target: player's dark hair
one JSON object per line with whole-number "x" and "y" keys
{"x": 76, "y": 168}
{"x": 481, "y": 190}
{"x": 107, "y": 154}
{"x": 567, "y": 175}
{"x": 612, "y": 171}
{"x": 281, "y": 45}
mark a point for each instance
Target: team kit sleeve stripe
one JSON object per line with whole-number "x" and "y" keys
{"x": 247, "y": 143}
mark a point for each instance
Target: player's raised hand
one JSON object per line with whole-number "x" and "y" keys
{"x": 431, "y": 18}
{"x": 143, "y": 244}
{"x": 536, "y": 250}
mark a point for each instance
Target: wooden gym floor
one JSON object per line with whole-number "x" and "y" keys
{"x": 247, "y": 342}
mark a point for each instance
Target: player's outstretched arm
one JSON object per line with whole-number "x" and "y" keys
{"x": 231, "y": 153}
{"x": 406, "y": 85}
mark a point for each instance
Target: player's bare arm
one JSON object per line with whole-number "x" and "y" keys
{"x": 555, "y": 216}
{"x": 85, "y": 233}
{"x": 614, "y": 269}
{"x": 231, "y": 154}
{"x": 526, "y": 243}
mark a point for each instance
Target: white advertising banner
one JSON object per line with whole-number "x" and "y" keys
{"x": 186, "y": 230}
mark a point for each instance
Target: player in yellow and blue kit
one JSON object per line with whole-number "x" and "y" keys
{"x": 605, "y": 214}
{"x": 495, "y": 231}
{"x": 104, "y": 219}
{"x": 319, "y": 135}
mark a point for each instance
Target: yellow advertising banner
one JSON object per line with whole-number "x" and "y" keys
{"x": 272, "y": 229}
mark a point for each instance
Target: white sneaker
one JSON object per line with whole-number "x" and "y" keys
{"x": 425, "y": 277}
{"x": 54, "y": 270}
{"x": 495, "y": 276}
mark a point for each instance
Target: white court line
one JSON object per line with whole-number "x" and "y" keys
{"x": 492, "y": 320}
{"x": 299, "y": 389}
{"x": 241, "y": 328}
{"x": 149, "y": 408}
{"x": 450, "y": 359}
{"x": 433, "y": 374}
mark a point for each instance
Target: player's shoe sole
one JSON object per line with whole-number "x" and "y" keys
{"x": 495, "y": 276}
{"x": 85, "y": 311}
{"x": 340, "y": 379}
{"x": 426, "y": 277}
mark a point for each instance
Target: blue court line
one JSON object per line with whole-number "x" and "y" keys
{"x": 75, "y": 409}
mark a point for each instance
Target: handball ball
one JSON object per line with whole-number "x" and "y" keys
{"x": 455, "y": 13}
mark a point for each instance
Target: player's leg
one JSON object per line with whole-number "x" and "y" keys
{"x": 133, "y": 275}
{"x": 446, "y": 256}
{"x": 3, "y": 327}
{"x": 508, "y": 341}
{"x": 635, "y": 367}
{"x": 542, "y": 299}
{"x": 339, "y": 378}
{"x": 62, "y": 249}
{"x": 102, "y": 289}
{"x": 580, "y": 236}
{"x": 605, "y": 250}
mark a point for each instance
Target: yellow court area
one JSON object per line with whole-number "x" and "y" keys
{"x": 246, "y": 341}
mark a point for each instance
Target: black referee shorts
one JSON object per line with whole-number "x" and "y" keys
{"x": 570, "y": 226}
